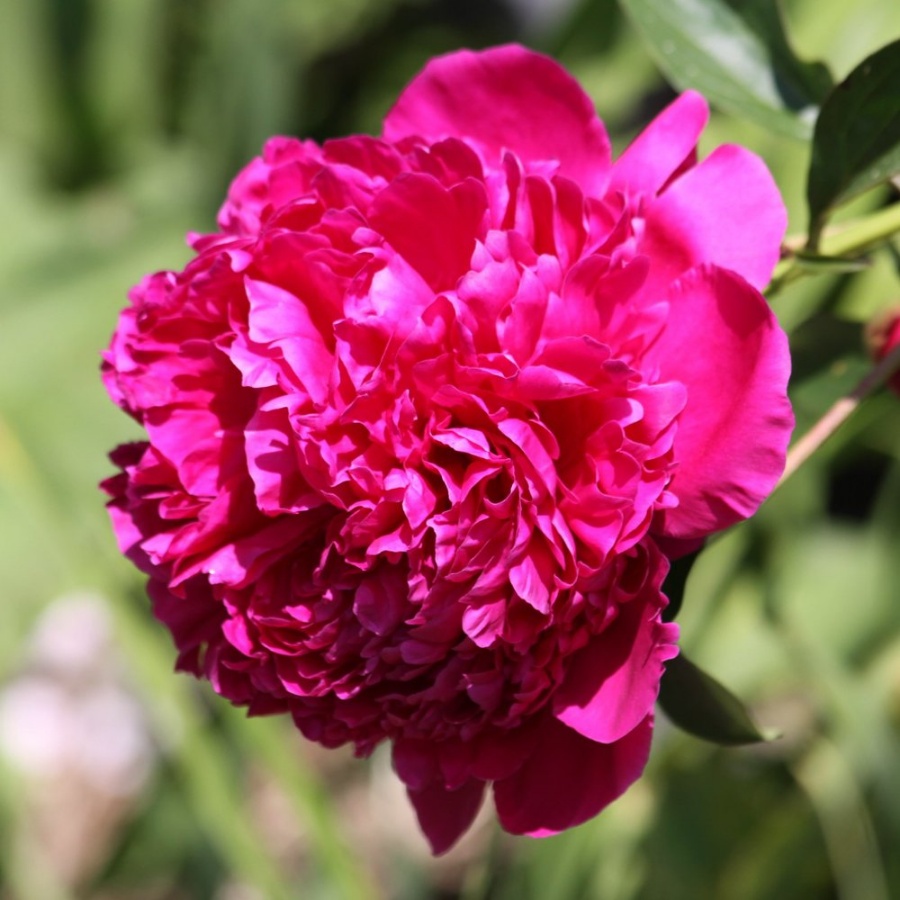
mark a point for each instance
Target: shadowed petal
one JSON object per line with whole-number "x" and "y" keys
{"x": 568, "y": 779}
{"x": 445, "y": 816}
{"x": 432, "y": 228}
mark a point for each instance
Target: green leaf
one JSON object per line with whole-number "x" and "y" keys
{"x": 856, "y": 144}
{"x": 821, "y": 342}
{"x": 735, "y": 52}
{"x": 675, "y": 582}
{"x": 820, "y": 264}
{"x": 698, "y": 704}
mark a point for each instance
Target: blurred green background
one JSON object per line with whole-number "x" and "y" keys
{"x": 121, "y": 122}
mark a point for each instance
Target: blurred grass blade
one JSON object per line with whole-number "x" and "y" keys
{"x": 856, "y": 144}
{"x": 831, "y": 785}
{"x": 737, "y": 55}
{"x": 268, "y": 741}
{"x": 697, "y": 703}
{"x": 27, "y": 870}
{"x": 206, "y": 773}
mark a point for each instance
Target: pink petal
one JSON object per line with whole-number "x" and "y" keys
{"x": 272, "y": 464}
{"x": 656, "y": 153}
{"x": 530, "y": 583}
{"x": 445, "y": 815}
{"x": 613, "y": 682}
{"x": 568, "y": 779}
{"x": 379, "y": 604}
{"x": 733, "y": 433}
{"x": 726, "y": 210}
{"x": 415, "y": 762}
{"x": 507, "y": 98}
{"x": 433, "y": 228}
{"x": 279, "y": 318}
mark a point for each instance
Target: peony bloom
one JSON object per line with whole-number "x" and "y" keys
{"x": 882, "y": 337}
{"x": 427, "y": 417}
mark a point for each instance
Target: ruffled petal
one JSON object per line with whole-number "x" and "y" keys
{"x": 507, "y": 98}
{"x": 658, "y": 151}
{"x": 723, "y": 343}
{"x": 283, "y": 324}
{"x": 569, "y": 778}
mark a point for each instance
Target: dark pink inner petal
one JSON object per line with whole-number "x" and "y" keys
{"x": 433, "y": 228}
{"x": 446, "y": 815}
{"x": 612, "y": 682}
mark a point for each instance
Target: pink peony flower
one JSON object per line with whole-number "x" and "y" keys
{"x": 882, "y": 337}
{"x": 427, "y": 416}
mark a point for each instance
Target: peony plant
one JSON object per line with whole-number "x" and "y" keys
{"x": 430, "y": 415}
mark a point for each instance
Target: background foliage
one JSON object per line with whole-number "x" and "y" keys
{"x": 120, "y": 126}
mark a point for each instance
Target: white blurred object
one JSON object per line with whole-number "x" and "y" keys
{"x": 73, "y": 636}
{"x": 73, "y": 729}
{"x": 540, "y": 14}
{"x": 233, "y": 890}
{"x": 69, "y": 712}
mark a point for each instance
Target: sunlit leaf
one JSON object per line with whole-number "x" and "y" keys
{"x": 737, "y": 55}
{"x": 856, "y": 144}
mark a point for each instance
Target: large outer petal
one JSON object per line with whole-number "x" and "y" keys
{"x": 726, "y": 210}
{"x": 657, "y": 152}
{"x": 724, "y": 344}
{"x": 568, "y": 779}
{"x": 506, "y": 98}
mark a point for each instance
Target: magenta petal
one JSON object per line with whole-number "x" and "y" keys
{"x": 655, "y": 154}
{"x": 415, "y": 762}
{"x": 282, "y": 320}
{"x": 612, "y": 683}
{"x": 507, "y": 98}
{"x": 726, "y": 210}
{"x": 444, "y": 815}
{"x": 733, "y": 433}
{"x": 432, "y": 228}
{"x": 569, "y": 778}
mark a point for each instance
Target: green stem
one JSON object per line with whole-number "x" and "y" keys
{"x": 839, "y": 413}
{"x": 847, "y": 241}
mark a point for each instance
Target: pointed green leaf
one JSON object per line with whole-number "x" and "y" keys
{"x": 856, "y": 144}
{"x": 698, "y": 704}
{"x": 735, "y": 52}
